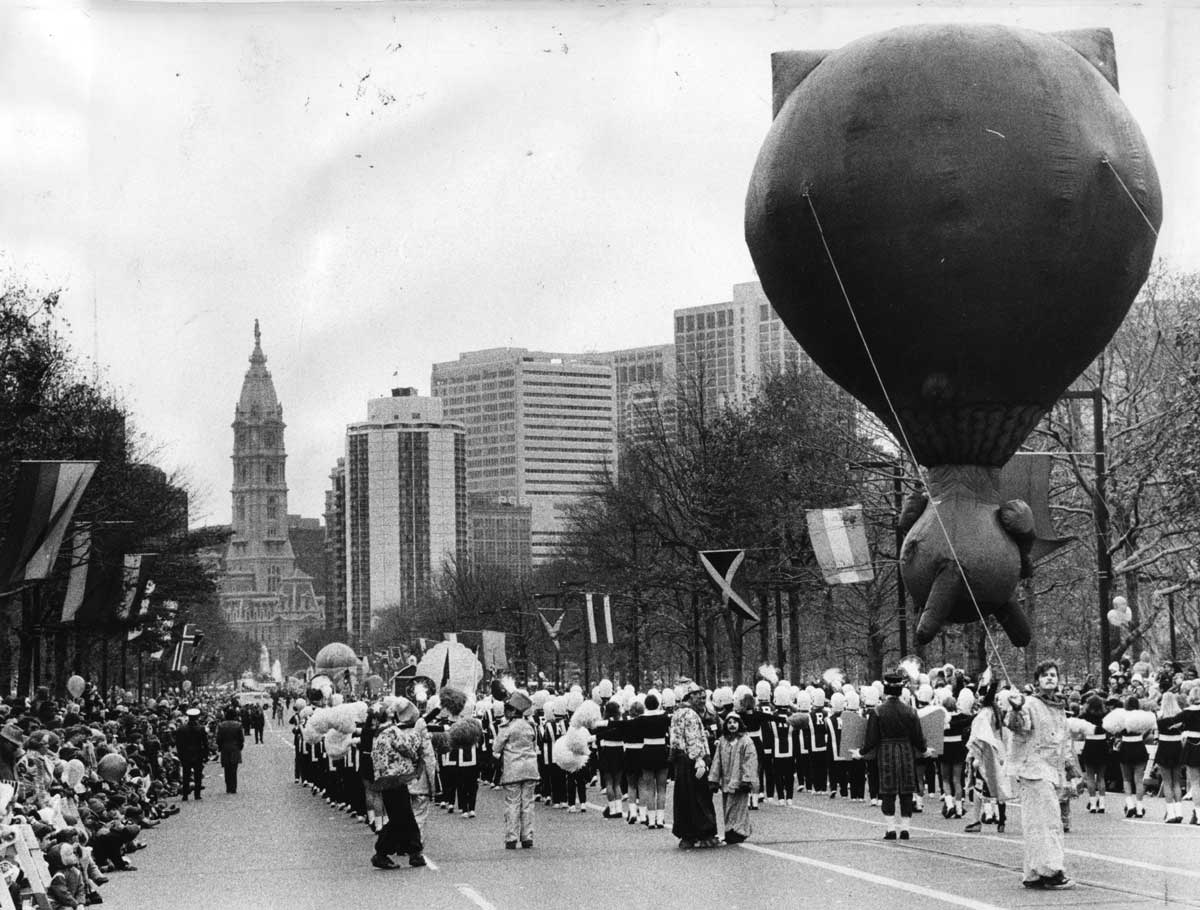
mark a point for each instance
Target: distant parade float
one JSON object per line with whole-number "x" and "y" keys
{"x": 953, "y": 220}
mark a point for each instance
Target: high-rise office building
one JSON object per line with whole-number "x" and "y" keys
{"x": 263, "y": 594}
{"x": 500, "y": 535}
{"x": 405, "y": 505}
{"x": 540, "y": 430}
{"x": 644, "y": 379}
{"x": 724, "y": 349}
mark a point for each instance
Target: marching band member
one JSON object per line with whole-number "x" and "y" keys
{"x": 655, "y": 728}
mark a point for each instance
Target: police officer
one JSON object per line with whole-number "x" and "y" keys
{"x": 191, "y": 743}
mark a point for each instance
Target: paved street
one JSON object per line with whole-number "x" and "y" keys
{"x": 275, "y": 845}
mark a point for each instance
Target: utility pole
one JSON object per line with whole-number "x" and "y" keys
{"x": 1100, "y": 512}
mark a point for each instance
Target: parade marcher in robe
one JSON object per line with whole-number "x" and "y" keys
{"x": 655, "y": 728}
{"x": 516, "y": 747}
{"x": 894, "y": 739}
{"x": 1168, "y": 754}
{"x": 230, "y": 741}
{"x": 191, "y": 744}
{"x": 856, "y": 768}
{"x": 734, "y": 774}
{"x": 1037, "y": 760}
{"x": 397, "y": 752}
{"x": 695, "y": 821}
{"x": 986, "y": 752}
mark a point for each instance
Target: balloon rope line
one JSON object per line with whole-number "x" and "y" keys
{"x": 1141, "y": 211}
{"x": 904, "y": 441}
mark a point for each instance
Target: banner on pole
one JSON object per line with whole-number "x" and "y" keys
{"x": 608, "y": 618}
{"x": 839, "y": 541}
{"x": 47, "y": 493}
{"x": 552, "y": 627}
{"x": 591, "y": 617}
{"x": 722, "y": 566}
{"x": 493, "y": 654}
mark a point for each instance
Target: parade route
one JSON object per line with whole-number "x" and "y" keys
{"x": 276, "y": 845}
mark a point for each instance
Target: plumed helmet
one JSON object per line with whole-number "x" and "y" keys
{"x": 539, "y": 699}
{"x": 606, "y": 688}
{"x": 966, "y": 701}
{"x": 762, "y": 690}
{"x": 925, "y": 694}
{"x": 783, "y": 695}
{"x": 722, "y": 697}
{"x": 574, "y": 698}
{"x": 853, "y": 702}
{"x": 559, "y": 706}
{"x": 818, "y": 698}
{"x": 837, "y": 701}
{"x": 870, "y": 697}
{"x": 668, "y": 698}
{"x": 741, "y": 691}
{"x": 804, "y": 701}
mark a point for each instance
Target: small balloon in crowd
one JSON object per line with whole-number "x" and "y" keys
{"x": 187, "y": 685}
{"x": 76, "y": 685}
{"x": 112, "y": 767}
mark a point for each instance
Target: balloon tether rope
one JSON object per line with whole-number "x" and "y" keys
{"x": 1141, "y": 211}
{"x": 904, "y": 440}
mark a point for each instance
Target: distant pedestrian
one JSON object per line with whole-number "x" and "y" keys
{"x": 1037, "y": 760}
{"x": 191, "y": 744}
{"x": 516, "y": 748}
{"x": 258, "y": 720}
{"x": 230, "y": 741}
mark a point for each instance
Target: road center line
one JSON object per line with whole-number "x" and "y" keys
{"x": 1016, "y": 842}
{"x": 474, "y": 897}
{"x": 920, "y": 890}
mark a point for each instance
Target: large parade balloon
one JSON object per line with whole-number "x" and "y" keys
{"x": 953, "y": 220}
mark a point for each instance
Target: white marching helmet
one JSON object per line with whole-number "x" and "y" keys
{"x": 762, "y": 690}
{"x": 783, "y": 694}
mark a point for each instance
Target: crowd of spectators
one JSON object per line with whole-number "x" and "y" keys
{"x": 88, "y": 775}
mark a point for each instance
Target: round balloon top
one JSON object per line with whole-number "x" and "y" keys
{"x": 977, "y": 188}
{"x": 336, "y": 656}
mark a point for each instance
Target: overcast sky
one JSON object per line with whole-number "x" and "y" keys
{"x": 387, "y": 185}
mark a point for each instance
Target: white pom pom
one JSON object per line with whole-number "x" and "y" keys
{"x": 1114, "y": 720}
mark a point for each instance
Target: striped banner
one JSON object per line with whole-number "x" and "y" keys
{"x": 839, "y": 540}
{"x": 591, "y": 617}
{"x": 47, "y": 493}
{"x": 608, "y": 618}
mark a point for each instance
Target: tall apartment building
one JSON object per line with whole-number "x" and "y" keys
{"x": 335, "y": 550}
{"x": 405, "y": 505}
{"x": 724, "y": 349}
{"x": 540, "y": 430}
{"x": 645, "y": 392}
{"x": 264, "y": 595}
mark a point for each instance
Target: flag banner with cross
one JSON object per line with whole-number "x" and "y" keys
{"x": 722, "y": 566}
{"x": 191, "y": 636}
{"x": 839, "y": 541}
{"x": 46, "y": 495}
{"x": 552, "y": 627}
